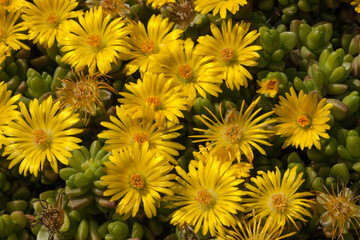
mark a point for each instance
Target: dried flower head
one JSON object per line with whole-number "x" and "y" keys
{"x": 341, "y": 211}
{"x": 84, "y": 93}
{"x": 181, "y": 12}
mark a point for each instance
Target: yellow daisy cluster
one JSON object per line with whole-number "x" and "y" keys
{"x": 165, "y": 79}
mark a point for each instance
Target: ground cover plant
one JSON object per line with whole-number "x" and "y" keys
{"x": 179, "y": 119}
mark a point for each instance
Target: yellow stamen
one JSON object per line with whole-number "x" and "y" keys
{"x": 52, "y": 19}
{"x": 233, "y": 133}
{"x": 40, "y": 137}
{"x": 303, "y": 121}
{"x": 154, "y": 101}
{"x": 185, "y": 71}
{"x": 94, "y": 40}
{"x": 227, "y": 54}
{"x": 137, "y": 181}
{"x": 204, "y": 197}
{"x": 4, "y": 2}
{"x": 148, "y": 46}
{"x": 278, "y": 202}
{"x": 140, "y": 138}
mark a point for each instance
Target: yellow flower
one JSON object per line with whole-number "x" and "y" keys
{"x": 153, "y": 97}
{"x": 45, "y": 19}
{"x": 158, "y": 3}
{"x": 191, "y": 72}
{"x": 95, "y": 42}
{"x": 341, "y": 211}
{"x": 302, "y": 119}
{"x": 229, "y": 48}
{"x": 356, "y": 3}
{"x": 137, "y": 178}
{"x": 275, "y": 198}
{"x": 7, "y": 109}
{"x": 12, "y": 5}
{"x": 208, "y": 196}
{"x": 238, "y": 133}
{"x": 43, "y": 133}
{"x": 4, "y": 52}
{"x": 144, "y": 43}
{"x": 124, "y": 132}
{"x": 218, "y": 6}
{"x": 83, "y": 93}
{"x": 10, "y": 32}
{"x": 270, "y": 87}
{"x": 253, "y": 230}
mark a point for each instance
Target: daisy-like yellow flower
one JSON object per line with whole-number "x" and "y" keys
{"x": 302, "y": 119}
{"x": 137, "y": 178}
{"x": 144, "y": 43}
{"x": 254, "y": 230}
{"x": 7, "y": 109}
{"x": 124, "y": 132}
{"x": 154, "y": 97}
{"x": 156, "y": 4}
{"x": 191, "y": 72}
{"x": 43, "y": 133}
{"x": 276, "y": 199}
{"x": 4, "y": 52}
{"x": 238, "y": 133}
{"x": 95, "y": 42}
{"x": 208, "y": 196}
{"x": 229, "y": 48}
{"x": 341, "y": 211}
{"x": 356, "y": 4}
{"x": 45, "y": 19}
{"x": 10, "y": 31}
{"x": 270, "y": 87}
{"x": 13, "y": 5}
{"x": 219, "y": 6}
{"x": 83, "y": 93}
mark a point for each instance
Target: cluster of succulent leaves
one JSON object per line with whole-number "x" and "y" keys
{"x": 311, "y": 45}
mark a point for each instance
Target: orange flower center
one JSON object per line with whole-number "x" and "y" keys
{"x": 303, "y": 121}
{"x": 140, "y": 138}
{"x": 154, "y": 101}
{"x": 227, "y": 54}
{"x": 40, "y": 137}
{"x": 233, "y": 133}
{"x": 204, "y": 197}
{"x": 52, "y": 19}
{"x": 94, "y": 41}
{"x": 278, "y": 202}
{"x": 137, "y": 181}
{"x": 148, "y": 46}
{"x": 4, "y": 2}
{"x": 185, "y": 71}
{"x": 271, "y": 85}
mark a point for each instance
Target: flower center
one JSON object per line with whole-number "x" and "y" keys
{"x": 272, "y": 84}
{"x": 40, "y": 137}
{"x": 140, "y": 138}
{"x": 52, "y": 218}
{"x": 94, "y": 41}
{"x": 233, "y": 133}
{"x": 278, "y": 202}
{"x": 52, "y": 19}
{"x": 227, "y": 54}
{"x": 339, "y": 207}
{"x": 137, "y": 181}
{"x": 4, "y": 2}
{"x": 185, "y": 71}
{"x": 204, "y": 197}
{"x": 154, "y": 101}
{"x": 148, "y": 46}
{"x": 303, "y": 121}
{"x": 83, "y": 92}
